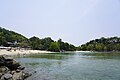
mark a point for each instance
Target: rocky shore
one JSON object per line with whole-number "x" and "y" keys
{"x": 10, "y": 69}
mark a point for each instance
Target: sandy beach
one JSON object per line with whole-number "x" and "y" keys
{"x": 17, "y": 52}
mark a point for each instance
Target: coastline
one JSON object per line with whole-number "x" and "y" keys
{"x": 27, "y": 52}
{"x": 21, "y": 52}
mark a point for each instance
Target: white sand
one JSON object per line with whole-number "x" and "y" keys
{"x": 12, "y": 52}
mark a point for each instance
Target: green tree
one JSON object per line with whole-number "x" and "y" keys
{"x": 46, "y": 43}
{"x": 72, "y": 47}
{"x": 91, "y": 47}
{"x": 103, "y": 44}
{"x": 35, "y": 43}
{"x": 10, "y": 36}
{"x": 54, "y": 46}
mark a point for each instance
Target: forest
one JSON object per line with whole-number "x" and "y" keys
{"x": 102, "y": 44}
{"x": 13, "y": 39}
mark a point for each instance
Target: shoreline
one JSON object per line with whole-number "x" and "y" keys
{"x": 21, "y": 52}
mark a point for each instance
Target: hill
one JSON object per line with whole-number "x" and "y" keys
{"x": 10, "y": 38}
{"x": 102, "y": 44}
{"x": 13, "y": 39}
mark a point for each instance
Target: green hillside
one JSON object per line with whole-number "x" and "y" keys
{"x": 13, "y": 39}
{"x": 9, "y": 37}
{"x": 102, "y": 44}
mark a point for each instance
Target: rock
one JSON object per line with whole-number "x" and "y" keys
{"x": 8, "y": 58}
{"x": 12, "y": 64}
{"x": 18, "y": 76}
{"x": 17, "y": 70}
{"x": 12, "y": 72}
{"x": 1, "y": 74}
{"x": 21, "y": 67}
{"x": 4, "y": 69}
{"x": 25, "y": 74}
{"x": 7, "y": 77}
{"x": 2, "y": 61}
{"x": 10, "y": 69}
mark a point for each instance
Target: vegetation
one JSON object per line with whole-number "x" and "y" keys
{"x": 9, "y": 37}
{"x": 54, "y": 46}
{"x": 13, "y": 39}
{"x": 35, "y": 43}
{"x": 64, "y": 46}
{"x": 102, "y": 44}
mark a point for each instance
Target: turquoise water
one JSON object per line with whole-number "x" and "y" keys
{"x": 73, "y": 66}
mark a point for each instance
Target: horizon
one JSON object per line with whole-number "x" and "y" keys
{"x": 74, "y": 21}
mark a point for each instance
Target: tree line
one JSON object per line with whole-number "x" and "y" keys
{"x": 102, "y": 44}
{"x": 13, "y": 39}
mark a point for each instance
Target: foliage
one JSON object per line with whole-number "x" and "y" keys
{"x": 35, "y": 43}
{"x": 54, "y": 46}
{"x": 46, "y": 43}
{"x": 10, "y": 36}
{"x": 102, "y": 44}
{"x": 66, "y": 46}
{"x": 13, "y": 39}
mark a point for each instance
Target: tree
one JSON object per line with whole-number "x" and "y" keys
{"x": 99, "y": 47}
{"x": 35, "y": 43}
{"x": 13, "y": 39}
{"x": 46, "y": 43}
{"x": 103, "y": 44}
{"x": 54, "y": 46}
{"x": 61, "y": 44}
{"x": 10, "y": 36}
{"x": 90, "y": 47}
{"x": 72, "y": 47}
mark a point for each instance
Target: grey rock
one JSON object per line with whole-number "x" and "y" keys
{"x": 12, "y": 72}
{"x": 10, "y": 69}
{"x": 13, "y": 65}
{"x": 8, "y": 58}
{"x": 2, "y": 61}
{"x": 7, "y": 77}
{"x": 26, "y": 74}
{"x": 3, "y": 69}
{"x": 1, "y": 74}
{"x": 17, "y": 70}
{"x": 18, "y": 76}
{"x": 21, "y": 67}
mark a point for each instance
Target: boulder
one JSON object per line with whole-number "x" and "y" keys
{"x": 1, "y": 75}
{"x": 26, "y": 74}
{"x": 7, "y": 76}
{"x": 21, "y": 67}
{"x": 2, "y": 61}
{"x": 4, "y": 69}
{"x": 12, "y": 64}
{"x": 10, "y": 69}
{"x": 18, "y": 76}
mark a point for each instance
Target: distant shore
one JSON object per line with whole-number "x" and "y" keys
{"x": 25, "y": 52}
{"x": 21, "y": 52}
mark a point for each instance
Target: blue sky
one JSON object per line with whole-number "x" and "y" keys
{"x": 75, "y": 21}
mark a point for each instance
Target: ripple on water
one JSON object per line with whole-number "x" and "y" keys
{"x": 72, "y": 67}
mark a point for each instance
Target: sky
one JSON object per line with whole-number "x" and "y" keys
{"x": 74, "y": 21}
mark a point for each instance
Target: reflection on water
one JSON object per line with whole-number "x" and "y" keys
{"x": 73, "y": 66}
{"x": 58, "y": 56}
{"x": 102, "y": 55}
